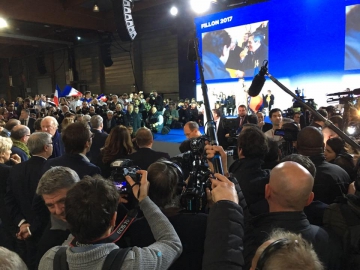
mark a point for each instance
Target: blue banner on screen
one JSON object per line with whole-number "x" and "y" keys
{"x": 310, "y": 44}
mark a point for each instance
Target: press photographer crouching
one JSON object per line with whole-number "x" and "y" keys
{"x": 91, "y": 213}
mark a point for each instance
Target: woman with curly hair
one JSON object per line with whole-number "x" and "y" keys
{"x": 118, "y": 145}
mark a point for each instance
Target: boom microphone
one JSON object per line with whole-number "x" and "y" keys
{"x": 258, "y": 81}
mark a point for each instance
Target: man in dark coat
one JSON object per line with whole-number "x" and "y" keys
{"x": 26, "y": 120}
{"x": 20, "y": 135}
{"x": 251, "y": 147}
{"x": 331, "y": 181}
{"x": 242, "y": 116}
{"x": 288, "y": 192}
{"x": 109, "y": 121}
{"x": 50, "y": 125}
{"x": 220, "y": 130}
{"x": 131, "y": 118}
{"x": 99, "y": 139}
{"x": 223, "y": 247}
{"x": 21, "y": 188}
{"x": 77, "y": 140}
{"x": 145, "y": 156}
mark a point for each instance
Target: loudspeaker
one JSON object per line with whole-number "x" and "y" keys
{"x": 40, "y": 63}
{"x": 105, "y": 49}
{"x": 124, "y": 20}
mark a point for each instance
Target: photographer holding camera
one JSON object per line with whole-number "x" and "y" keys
{"x": 157, "y": 101}
{"x": 155, "y": 121}
{"x": 166, "y": 181}
{"x": 251, "y": 147}
{"x": 91, "y": 213}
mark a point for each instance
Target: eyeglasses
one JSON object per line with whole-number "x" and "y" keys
{"x": 49, "y": 143}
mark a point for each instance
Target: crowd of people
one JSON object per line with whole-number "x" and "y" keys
{"x": 81, "y": 187}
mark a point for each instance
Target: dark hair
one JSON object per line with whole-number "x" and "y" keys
{"x": 310, "y": 141}
{"x": 215, "y": 41}
{"x": 253, "y": 143}
{"x": 163, "y": 181}
{"x": 75, "y": 137}
{"x": 252, "y": 119}
{"x": 337, "y": 145}
{"x": 217, "y": 112}
{"x": 337, "y": 120}
{"x": 118, "y": 141}
{"x": 273, "y": 151}
{"x": 258, "y": 36}
{"x": 90, "y": 206}
{"x": 321, "y": 112}
{"x": 303, "y": 161}
{"x": 274, "y": 111}
{"x": 37, "y": 124}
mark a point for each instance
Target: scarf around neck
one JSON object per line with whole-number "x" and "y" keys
{"x": 22, "y": 146}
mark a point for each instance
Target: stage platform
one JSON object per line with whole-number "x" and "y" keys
{"x": 170, "y": 143}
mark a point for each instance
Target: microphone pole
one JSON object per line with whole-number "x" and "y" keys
{"x": 210, "y": 125}
{"x": 327, "y": 122}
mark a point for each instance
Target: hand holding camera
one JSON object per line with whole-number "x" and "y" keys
{"x": 139, "y": 189}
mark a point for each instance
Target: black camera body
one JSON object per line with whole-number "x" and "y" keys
{"x": 121, "y": 169}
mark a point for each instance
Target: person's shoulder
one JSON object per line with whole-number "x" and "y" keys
{"x": 47, "y": 259}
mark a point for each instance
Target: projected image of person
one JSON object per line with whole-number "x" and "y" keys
{"x": 216, "y": 47}
{"x": 352, "y": 38}
{"x": 256, "y": 53}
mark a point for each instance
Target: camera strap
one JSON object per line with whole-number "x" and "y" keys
{"x": 116, "y": 234}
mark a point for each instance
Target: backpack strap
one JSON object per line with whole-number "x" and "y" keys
{"x": 60, "y": 262}
{"x": 115, "y": 259}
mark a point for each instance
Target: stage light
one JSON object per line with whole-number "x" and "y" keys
{"x": 3, "y": 23}
{"x": 96, "y": 8}
{"x": 200, "y": 6}
{"x": 174, "y": 11}
{"x": 78, "y": 38}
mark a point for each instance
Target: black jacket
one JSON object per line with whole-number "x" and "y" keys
{"x": 98, "y": 142}
{"x": 223, "y": 247}
{"x": 144, "y": 157}
{"x": 75, "y": 162}
{"x": 252, "y": 179}
{"x": 133, "y": 120}
{"x": 21, "y": 188}
{"x": 296, "y": 222}
{"x": 330, "y": 182}
{"x": 192, "y": 237}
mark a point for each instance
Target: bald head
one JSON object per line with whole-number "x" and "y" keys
{"x": 289, "y": 188}
{"x": 11, "y": 124}
{"x": 310, "y": 141}
{"x": 20, "y": 133}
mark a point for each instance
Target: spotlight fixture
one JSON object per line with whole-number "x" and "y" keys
{"x": 96, "y": 7}
{"x": 3, "y": 23}
{"x": 174, "y": 11}
{"x": 200, "y": 6}
{"x": 78, "y": 38}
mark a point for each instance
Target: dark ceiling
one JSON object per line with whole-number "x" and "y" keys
{"x": 43, "y": 24}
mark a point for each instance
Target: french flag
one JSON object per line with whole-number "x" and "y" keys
{"x": 102, "y": 97}
{"x": 56, "y": 95}
{"x": 70, "y": 92}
